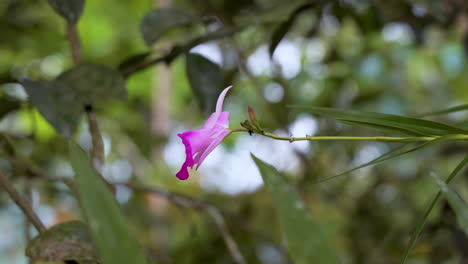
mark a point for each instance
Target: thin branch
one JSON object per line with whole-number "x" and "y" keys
{"x": 22, "y": 203}
{"x": 97, "y": 151}
{"x": 74, "y": 41}
{"x": 178, "y": 50}
{"x": 211, "y": 210}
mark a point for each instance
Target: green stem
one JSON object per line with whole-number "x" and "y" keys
{"x": 347, "y": 138}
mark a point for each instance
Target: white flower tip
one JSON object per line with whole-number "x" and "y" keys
{"x": 219, "y": 103}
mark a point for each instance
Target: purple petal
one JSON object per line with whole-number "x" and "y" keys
{"x": 216, "y": 139}
{"x": 217, "y": 118}
{"x": 194, "y": 141}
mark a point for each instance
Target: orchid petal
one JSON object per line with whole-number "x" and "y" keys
{"x": 217, "y": 118}
{"x": 216, "y": 140}
{"x": 219, "y": 103}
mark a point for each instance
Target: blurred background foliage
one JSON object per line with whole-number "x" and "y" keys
{"x": 398, "y": 57}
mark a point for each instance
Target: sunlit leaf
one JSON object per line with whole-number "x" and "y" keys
{"x": 456, "y": 202}
{"x": 206, "y": 80}
{"x": 109, "y": 229}
{"x": 421, "y": 126}
{"x": 422, "y": 221}
{"x": 59, "y": 105}
{"x": 65, "y": 241}
{"x": 306, "y": 240}
{"x": 159, "y": 21}
{"x": 71, "y": 10}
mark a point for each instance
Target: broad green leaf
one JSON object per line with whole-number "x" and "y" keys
{"x": 109, "y": 229}
{"x": 206, "y": 80}
{"x": 449, "y": 110}
{"x": 65, "y": 241}
{"x": 456, "y": 202}
{"x": 306, "y": 240}
{"x": 159, "y": 21}
{"x": 424, "y": 127}
{"x": 7, "y": 106}
{"x": 71, "y": 10}
{"x": 93, "y": 83}
{"x": 423, "y": 219}
{"x": 59, "y": 105}
{"x": 62, "y": 101}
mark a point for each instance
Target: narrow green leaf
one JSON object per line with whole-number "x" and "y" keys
{"x": 421, "y": 126}
{"x": 382, "y": 128}
{"x": 65, "y": 241}
{"x": 71, "y": 10}
{"x": 423, "y": 219}
{"x": 456, "y": 202}
{"x": 109, "y": 229}
{"x": 93, "y": 83}
{"x": 449, "y": 110}
{"x": 396, "y": 152}
{"x": 56, "y": 103}
{"x": 306, "y": 240}
{"x": 159, "y": 21}
{"x": 206, "y": 80}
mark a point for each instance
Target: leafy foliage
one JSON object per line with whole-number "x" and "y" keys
{"x": 71, "y": 10}
{"x": 109, "y": 229}
{"x": 206, "y": 79}
{"x": 307, "y": 242}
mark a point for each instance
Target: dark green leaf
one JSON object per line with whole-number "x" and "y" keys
{"x": 423, "y": 219}
{"x": 7, "y": 106}
{"x": 71, "y": 10}
{"x": 109, "y": 229}
{"x": 58, "y": 104}
{"x": 282, "y": 29}
{"x": 206, "y": 80}
{"x": 279, "y": 33}
{"x": 424, "y": 127}
{"x": 65, "y": 241}
{"x": 159, "y": 21}
{"x": 306, "y": 240}
{"x": 94, "y": 83}
{"x": 456, "y": 202}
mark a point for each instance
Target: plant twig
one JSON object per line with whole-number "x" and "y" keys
{"x": 97, "y": 151}
{"x": 211, "y": 210}
{"x": 22, "y": 203}
{"x": 74, "y": 40}
{"x": 178, "y": 50}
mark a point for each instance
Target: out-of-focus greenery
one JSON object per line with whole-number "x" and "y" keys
{"x": 398, "y": 57}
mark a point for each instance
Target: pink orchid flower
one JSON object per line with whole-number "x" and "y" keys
{"x": 201, "y": 142}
